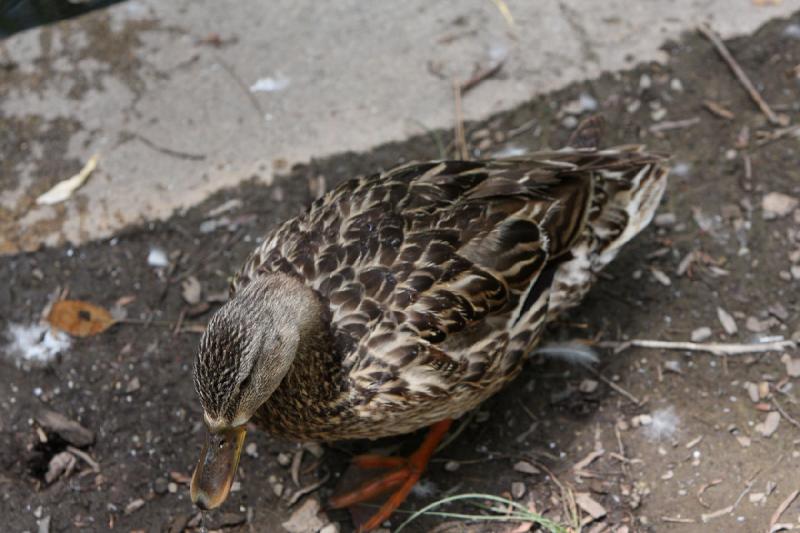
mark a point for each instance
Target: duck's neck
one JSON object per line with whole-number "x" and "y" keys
{"x": 313, "y": 383}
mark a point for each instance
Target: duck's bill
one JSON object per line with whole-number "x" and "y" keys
{"x": 217, "y": 466}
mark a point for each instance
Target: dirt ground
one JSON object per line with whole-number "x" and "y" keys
{"x": 690, "y": 447}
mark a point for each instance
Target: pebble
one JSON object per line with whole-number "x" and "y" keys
{"x": 777, "y": 205}
{"x": 133, "y": 385}
{"x": 727, "y": 321}
{"x": 676, "y": 85}
{"x": 526, "y": 468}
{"x": 673, "y": 366}
{"x": 67, "y": 429}
{"x": 752, "y": 391}
{"x": 284, "y": 459}
{"x": 518, "y": 489}
{"x": 769, "y": 425}
{"x": 314, "y": 448}
{"x": 701, "y": 334}
{"x": 333, "y": 527}
{"x": 134, "y": 506}
{"x": 665, "y": 220}
{"x": 172, "y": 487}
{"x": 43, "y": 525}
{"x": 588, "y": 386}
{"x": 160, "y": 485}
{"x": 452, "y": 466}
{"x": 792, "y": 365}
{"x": 251, "y": 449}
{"x": 794, "y": 270}
{"x": 157, "y": 258}
{"x": 641, "y": 420}
{"x": 645, "y": 82}
{"x": 305, "y": 519}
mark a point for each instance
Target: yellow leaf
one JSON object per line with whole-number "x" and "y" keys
{"x": 79, "y": 319}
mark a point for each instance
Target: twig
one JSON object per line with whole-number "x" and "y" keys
{"x": 704, "y": 488}
{"x": 784, "y": 414}
{"x": 709, "y": 34}
{"x": 460, "y": 138}
{"x": 674, "y": 124}
{"x": 718, "y": 110}
{"x": 297, "y": 460}
{"x": 309, "y": 488}
{"x": 481, "y": 75}
{"x": 85, "y": 457}
{"x": 716, "y": 348}
{"x": 782, "y": 508}
{"x": 769, "y": 136}
{"x": 613, "y": 385}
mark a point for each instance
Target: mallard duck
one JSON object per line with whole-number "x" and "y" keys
{"x": 406, "y": 298}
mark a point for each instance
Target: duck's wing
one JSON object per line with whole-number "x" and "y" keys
{"x": 437, "y": 274}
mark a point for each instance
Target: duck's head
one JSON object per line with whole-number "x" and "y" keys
{"x": 246, "y": 350}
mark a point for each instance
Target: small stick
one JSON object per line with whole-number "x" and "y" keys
{"x": 461, "y": 141}
{"x": 310, "y": 488}
{"x": 709, "y": 34}
{"x": 613, "y": 385}
{"x": 768, "y": 137}
{"x": 716, "y": 348}
{"x": 674, "y": 124}
{"x": 481, "y": 75}
{"x": 782, "y": 508}
{"x": 85, "y": 457}
{"x": 717, "y": 109}
{"x": 784, "y": 414}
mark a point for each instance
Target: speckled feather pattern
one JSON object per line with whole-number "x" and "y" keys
{"x": 437, "y": 278}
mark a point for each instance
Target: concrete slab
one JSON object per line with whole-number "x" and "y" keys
{"x": 183, "y": 98}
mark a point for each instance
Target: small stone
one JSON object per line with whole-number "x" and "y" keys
{"x": 160, "y": 485}
{"x": 727, "y": 321}
{"x": 744, "y": 441}
{"x": 191, "y": 290}
{"x": 777, "y": 205}
{"x": 251, "y": 449}
{"x": 61, "y": 463}
{"x": 67, "y": 429}
{"x": 277, "y": 488}
{"x": 755, "y": 325}
{"x": 569, "y": 122}
{"x": 284, "y": 459}
{"x": 133, "y": 385}
{"x": 315, "y": 449}
{"x": 757, "y": 497}
{"x": 658, "y": 114}
{"x": 589, "y": 505}
{"x": 518, "y": 489}
{"x": 526, "y": 468}
{"x": 642, "y": 420}
{"x": 661, "y": 277}
{"x": 333, "y": 527}
{"x": 669, "y": 474}
{"x": 752, "y": 392}
{"x": 673, "y": 366}
{"x": 645, "y": 82}
{"x": 588, "y": 386}
{"x": 676, "y": 85}
{"x": 134, "y": 506}
{"x": 792, "y": 365}
{"x": 172, "y": 487}
{"x": 665, "y": 220}
{"x": 769, "y": 425}
{"x": 452, "y": 466}
{"x": 794, "y": 270}
{"x": 157, "y": 258}
{"x": 305, "y": 519}
{"x": 43, "y": 525}
{"x": 701, "y": 334}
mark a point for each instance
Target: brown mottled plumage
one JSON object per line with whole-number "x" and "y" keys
{"x": 411, "y": 296}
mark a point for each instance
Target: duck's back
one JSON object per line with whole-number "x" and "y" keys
{"x": 439, "y": 276}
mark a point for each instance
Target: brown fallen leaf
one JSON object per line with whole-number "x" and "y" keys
{"x": 79, "y": 319}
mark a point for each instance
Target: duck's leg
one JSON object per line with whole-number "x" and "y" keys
{"x": 405, "y": 475}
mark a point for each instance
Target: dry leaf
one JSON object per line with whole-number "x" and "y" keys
{"x": 64, "y": 189}
{"x": 79, "y": 319}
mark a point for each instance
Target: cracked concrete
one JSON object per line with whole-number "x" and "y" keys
{"x": 183, "y": 98}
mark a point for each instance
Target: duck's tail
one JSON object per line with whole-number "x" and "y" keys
{"x": 624, "y": 202}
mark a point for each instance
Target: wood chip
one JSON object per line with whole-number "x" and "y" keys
{"x": 191, "y": 290}
{"x": 727, "y": 321}
{"x": 60, "y": 464}
{"x": 589, "y": 505}
{"x": 67, "y": 429}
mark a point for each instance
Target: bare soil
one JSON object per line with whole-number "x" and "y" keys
{"x": 652, "y": 476}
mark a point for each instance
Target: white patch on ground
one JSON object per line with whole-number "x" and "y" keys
{"x": 270, "y": 85}
{"x": 157, "y": 258}
{"x": 35, "y": 343}
{"x": 573, "y": 353}
{"x": 665, "y": 424}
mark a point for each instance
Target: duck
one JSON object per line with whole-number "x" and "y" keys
{"x": 403, "y": 299}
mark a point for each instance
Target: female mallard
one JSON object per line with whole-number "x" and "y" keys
{"x": 406, "y": 298}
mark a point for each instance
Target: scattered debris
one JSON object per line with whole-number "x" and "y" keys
{"x": 777, "y": 205}
{"x": 67, "y": 429}
{"x": 60, "y": 464}
{"x": 64, "y": 189}
{"x": 770, "y": 424}
{"x": 157, "y": 258}
{"x": 305, "y": 519}
{"x": 270, "y": 84}
{"x": 727, "y": 321}
{"x": 709, "y": 34}
{"x": 79, "y": 318}
{"x": 589, "y": 505}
